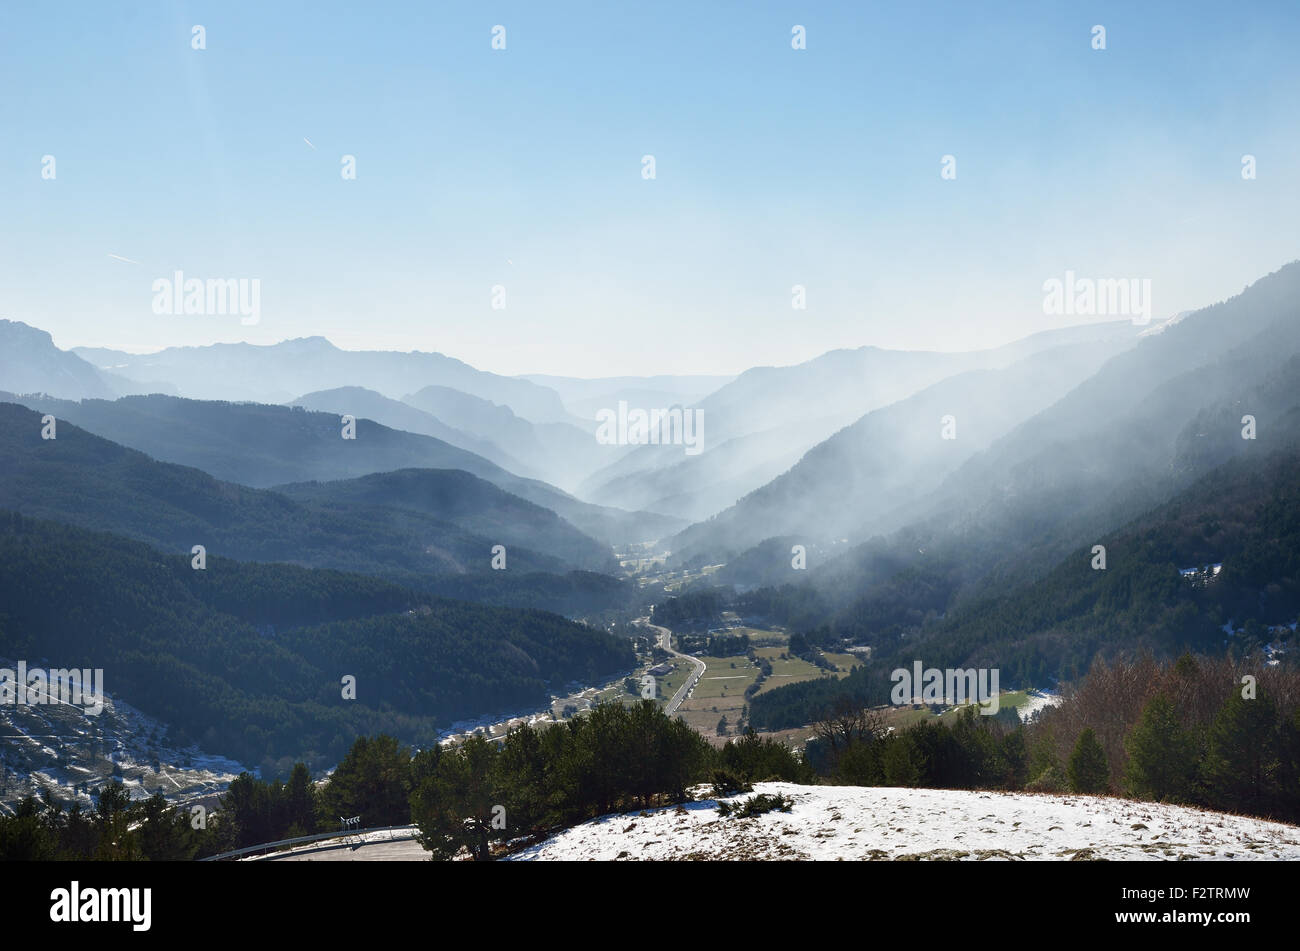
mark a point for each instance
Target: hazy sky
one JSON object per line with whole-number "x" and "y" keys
{"x": 522, "y": 167}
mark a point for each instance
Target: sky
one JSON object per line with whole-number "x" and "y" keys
{"x": 523, "y": 168}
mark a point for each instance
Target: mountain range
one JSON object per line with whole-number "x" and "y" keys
{"x": 892, "y": 500}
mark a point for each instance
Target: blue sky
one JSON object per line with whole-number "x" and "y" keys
{"x": 522, "y": 167}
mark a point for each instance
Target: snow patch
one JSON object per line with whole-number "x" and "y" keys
{"x": 861, "y": 823}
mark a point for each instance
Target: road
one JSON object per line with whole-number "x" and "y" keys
{"x": 665, "y": 641}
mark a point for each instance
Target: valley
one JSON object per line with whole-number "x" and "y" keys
{"x": 459, "y": 601}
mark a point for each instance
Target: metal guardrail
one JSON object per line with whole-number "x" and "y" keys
{"x": 303, "y": 839}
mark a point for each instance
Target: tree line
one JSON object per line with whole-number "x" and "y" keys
{"x": 1188, "y": 732}
{"x": 470, "y": 798}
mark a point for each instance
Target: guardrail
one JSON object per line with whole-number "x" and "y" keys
{"x": 303, "y": 839}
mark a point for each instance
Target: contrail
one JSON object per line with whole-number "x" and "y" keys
{"x": 118, "y": 257}
{"x": 308, "y": 141}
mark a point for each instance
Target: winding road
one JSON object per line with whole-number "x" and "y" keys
{"x": 665, "y": 641}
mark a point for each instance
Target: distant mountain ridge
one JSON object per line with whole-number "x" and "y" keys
{"x": 84, "y": 479}
{"x": 863, "y": 478}
{"x": 263, "y": 445}
{"x": 562, "y": 452}
{"x": 278, "y": 373}
{"x": 30, "y": 363}
{"x": 760, "y": 424}
{"x": 395, "y": 414}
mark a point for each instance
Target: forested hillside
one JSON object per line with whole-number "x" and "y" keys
{"x": 262, "y": 445}
{"x": 84, "y": 480}
{"x": 1244, "y": 516}
{"x": 238, "y": 657}
{"x": 474, "y": 504}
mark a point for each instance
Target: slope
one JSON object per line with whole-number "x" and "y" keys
{"x": 82, "y": 479}
{"x": 280, "y": 372}
{"x": 261, "y": 445}
{"x": 248, "y": 659}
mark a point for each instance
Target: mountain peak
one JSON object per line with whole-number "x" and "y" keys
{"x": 18, "y": 329}
{"x": 306, "y": 344}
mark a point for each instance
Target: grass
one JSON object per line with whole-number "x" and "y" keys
{"x": 790, "y": 669}
{"x": 721, "y": 692}
{"x": 844, "y": 662}
{"x": 722, "y": 680}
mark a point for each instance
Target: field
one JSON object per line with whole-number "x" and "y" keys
{"x": 721, "y": 692}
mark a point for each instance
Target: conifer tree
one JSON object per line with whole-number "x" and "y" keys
{"x": 299, "y": 803}
{"x": 1088, "y": 771}
{"x": 455, "y": 806}
{"x": 1241, "y": 763}
{"x": 1161, "y": 755}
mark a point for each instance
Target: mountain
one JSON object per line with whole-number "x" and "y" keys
{"x": 584, "y": 398}
{"x": 1112, "y": 447}
{"x": 563, "y": 453}
{"x": 1158, "y": 427}
{"x": 759, "y": 425}
{"x": 1150, "y": 422}
{"x": 31, "y": 363}
{"x": 854, "y": 382}
{"x": 1243, "y": 517}
{"x": 361, "y": 403}
{"x": 465, "y": 500}
{"x": 84, "y": 480}
{"x": 249, "y": 659}
{"x": 862, "y": 480}
{"x": 697, "y": 487}
{"x": 280, "y": 372}
{"x": 260, "y": 445}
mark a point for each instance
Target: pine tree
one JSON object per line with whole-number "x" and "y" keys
{"x": 1289, "y": 775}
{"x": 373, "y": 781}
{"x": 299, "y": 802}
{"x": 456, "y": 805}
{"x": 1161, "y": 755}
{"x": 1241, "y": 763}
{"x": 1088, "y": 771}
{"x": 899, "y": 761}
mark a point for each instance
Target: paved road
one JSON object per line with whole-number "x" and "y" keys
{"x": 375, "y": 846}
{"x": 665, "y": 640}
{"x": 399, "y": 851}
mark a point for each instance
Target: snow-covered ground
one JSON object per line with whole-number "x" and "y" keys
{"x": 1037, "y": 700}
{"x": 856, "y": 823}
{"x": 57, "y": 747}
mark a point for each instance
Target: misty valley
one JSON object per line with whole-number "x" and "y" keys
{"x": 613, "y": 434}
{"x": 264, "y": 585}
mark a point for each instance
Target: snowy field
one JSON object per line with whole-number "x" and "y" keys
{"x": 855, "y": 823}
{"x": 56, "y": 747}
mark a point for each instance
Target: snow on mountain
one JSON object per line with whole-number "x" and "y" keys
{"x": 856, "y": 823}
